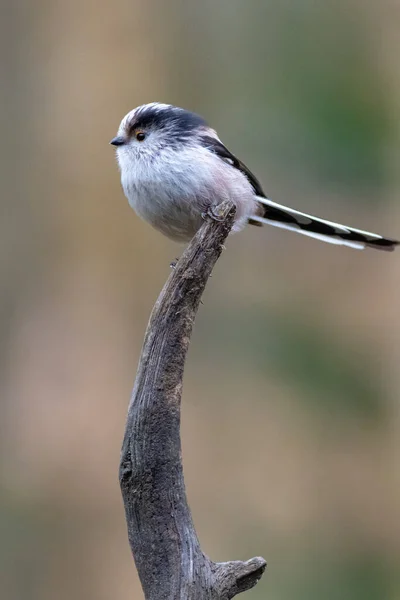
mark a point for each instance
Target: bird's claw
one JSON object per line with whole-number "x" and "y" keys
{"x": 212, "y": 212}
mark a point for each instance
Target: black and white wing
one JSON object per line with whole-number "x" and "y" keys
{"x": 278, "y": 215}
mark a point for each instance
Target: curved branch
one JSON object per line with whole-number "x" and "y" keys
{"x": 161, "y": 533}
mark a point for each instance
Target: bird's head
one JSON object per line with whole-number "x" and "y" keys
{"x": 149, "y": 129}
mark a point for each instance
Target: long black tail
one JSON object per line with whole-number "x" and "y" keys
{"x": 327, "y": 231}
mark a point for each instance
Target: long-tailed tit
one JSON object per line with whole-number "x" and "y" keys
{"x": 174, "y": 169}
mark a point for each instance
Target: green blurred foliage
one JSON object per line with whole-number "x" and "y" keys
{"x": 335, "y": 93}
{"x": 333, "y": 578}
{"x": 327, "y": 376}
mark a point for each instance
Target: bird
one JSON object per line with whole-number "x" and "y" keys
{"x": 175, "y": 170}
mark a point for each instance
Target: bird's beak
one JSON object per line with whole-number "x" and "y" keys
{"x": 118, "y": 141}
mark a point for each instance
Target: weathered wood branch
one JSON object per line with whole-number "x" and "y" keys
{"x": 161, "y": 533}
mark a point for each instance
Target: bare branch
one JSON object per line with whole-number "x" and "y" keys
{"x": 161, "y": 533}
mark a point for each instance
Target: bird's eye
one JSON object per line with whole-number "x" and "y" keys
{"x": 140, "y": 136}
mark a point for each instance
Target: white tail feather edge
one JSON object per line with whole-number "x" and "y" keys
{"x": 319, "y": 236}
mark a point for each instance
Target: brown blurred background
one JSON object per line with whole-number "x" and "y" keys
{"x": 291, "y": 421}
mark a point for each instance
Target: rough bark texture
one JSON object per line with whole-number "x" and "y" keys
{"x": 161, "y": 534}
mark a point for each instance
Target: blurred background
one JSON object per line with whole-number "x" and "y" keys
{"x": 291, "y": 420}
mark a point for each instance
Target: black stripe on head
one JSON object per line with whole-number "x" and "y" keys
{"x": 180, "y": 122}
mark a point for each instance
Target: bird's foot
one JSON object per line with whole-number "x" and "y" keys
{"x": 214, "y": 214}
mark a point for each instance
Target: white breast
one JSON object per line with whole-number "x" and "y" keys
{"x": 174, "y": 188}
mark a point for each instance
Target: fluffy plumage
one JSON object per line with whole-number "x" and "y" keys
{"x": 174, "y": 167}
